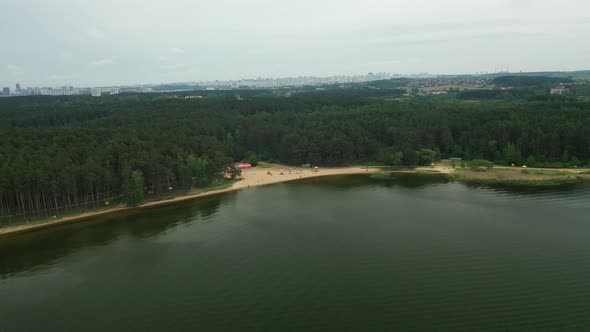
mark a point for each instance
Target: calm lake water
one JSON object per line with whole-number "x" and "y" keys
{"x": 332, "y": 254}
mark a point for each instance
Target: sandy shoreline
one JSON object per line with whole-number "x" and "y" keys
{"x": 251, "y": 178}
{"x": 259, "y": 177}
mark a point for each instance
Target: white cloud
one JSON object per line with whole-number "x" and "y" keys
{"x": 95, "y": 33}
{"x": 386, "y": 62}
{"x": 64, "y": 55}
{"x": 102, "y": 62}
{"x": 177, "y": 50}
{"x": 13, "y": 68}
{"x": 175, "y": 66}
{"x": 62, "y": 78}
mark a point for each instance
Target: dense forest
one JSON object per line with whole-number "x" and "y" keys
{"x": 486, "y": 94}
{"x": 522, "y": 81}
{"x": 521, "y": 87}
{"x": 68, "y": 154}
{"x": 366, "y": 91}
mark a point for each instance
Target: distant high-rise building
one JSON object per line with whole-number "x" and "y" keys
{"x": 114, "y": 91}
{"x": 60, "y": 91}
{"x": 17, "y": 87}
{"x": 6, "y": 92}
{"x": 96, "y": 92}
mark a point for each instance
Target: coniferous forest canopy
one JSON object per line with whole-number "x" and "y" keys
{"x": 71, "y": 153}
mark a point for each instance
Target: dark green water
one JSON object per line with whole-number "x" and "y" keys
{"x": 335, "y": 254}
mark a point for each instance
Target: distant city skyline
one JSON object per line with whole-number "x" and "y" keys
{"x": 259, "y": 82}
{"x": 129, "y": 42}
{"x": 232, "y": 84}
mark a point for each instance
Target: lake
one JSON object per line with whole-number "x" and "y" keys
{"x": 326, "y": 254}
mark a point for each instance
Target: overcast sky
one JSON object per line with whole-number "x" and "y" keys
{"x": 116, "y": 42}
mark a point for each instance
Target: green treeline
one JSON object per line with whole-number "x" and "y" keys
{"x": 484, "y": 94}
{"x": 522, "y": 81}
{"x": 356, "y": 92}
{"x": 67, "y": 154}
{"x": 519, "y": 87}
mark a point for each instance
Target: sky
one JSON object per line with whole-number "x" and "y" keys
{"x": 121, "y": 42}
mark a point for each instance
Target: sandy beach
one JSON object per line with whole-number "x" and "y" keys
{"x": 271, "y": 173}
{"x": 250, "y": 178}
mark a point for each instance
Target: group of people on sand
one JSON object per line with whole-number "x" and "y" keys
{"x": 282, "y": 172}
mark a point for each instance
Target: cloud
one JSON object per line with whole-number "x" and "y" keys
{"x": 267, "y": 38}
{"x": 64, "y": 55}
{"x": 177, "y": 50}
{"x": 175, "y": 66}
{"x": 102, "y": 62}
{"x": 96, "y": 33}
{"x": 60, "y": 77}
{"x": 386, "y": 62}
{"x": 444, "y": 36}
